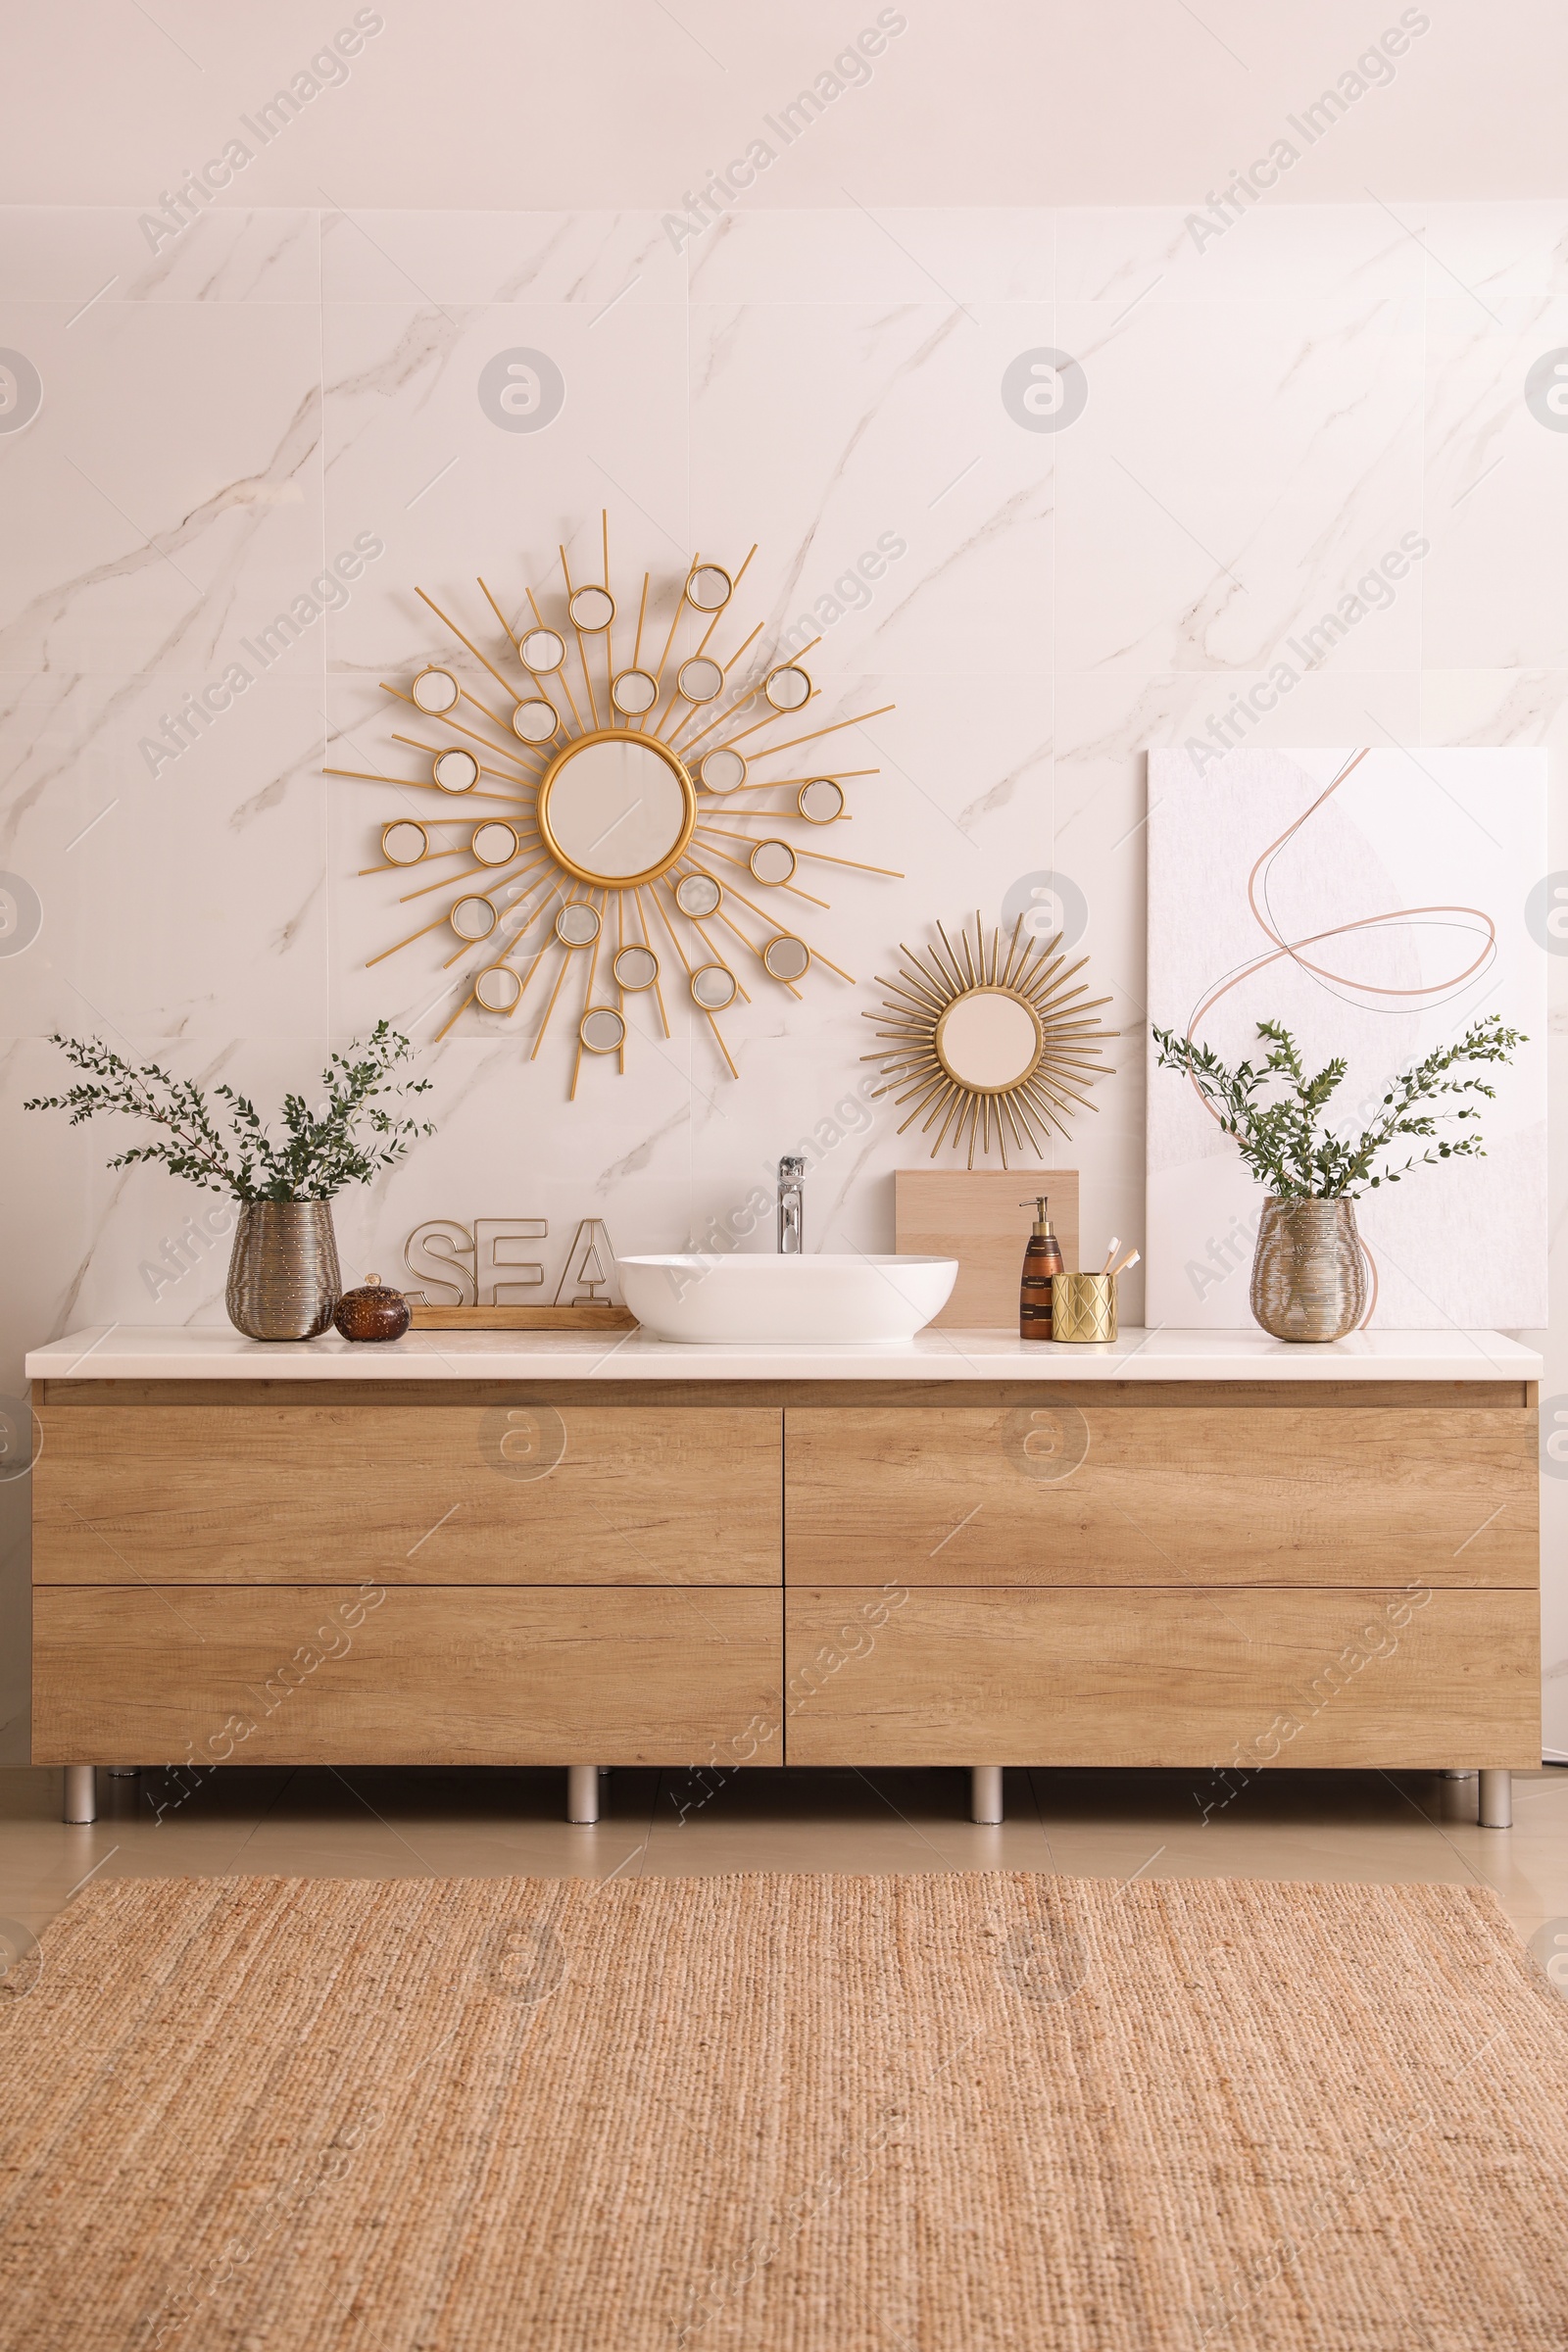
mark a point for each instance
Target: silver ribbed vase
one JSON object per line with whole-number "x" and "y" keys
{"x": 284, "y": 1278}
{"x": 1309, "y": 1273}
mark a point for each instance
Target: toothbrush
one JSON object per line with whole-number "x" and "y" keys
{"x": 1115, "y": 1245}
{"x": 1124, "y": 1265}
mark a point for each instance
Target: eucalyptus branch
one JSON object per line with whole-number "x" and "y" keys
{"x": 1278, "y": 1118}
{"x": 321, "y": 1151}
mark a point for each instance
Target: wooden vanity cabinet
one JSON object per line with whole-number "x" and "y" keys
{"x": 1181, "y": 1575}
{"x": 694, "y": 1571}
{"x": 259, "y": 1572}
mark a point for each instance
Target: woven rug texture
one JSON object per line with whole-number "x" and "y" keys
{"x": 778, "y": 2113}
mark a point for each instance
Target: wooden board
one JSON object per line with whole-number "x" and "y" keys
{"x": 1223, "y": 1492}
{"x": 434, "y": 1493}
{"x": 974, "y": 1216}
{"x": 162, "y": 1675}
{"x": 1177, "y": 1678}
{"x": 598, "y": 1318}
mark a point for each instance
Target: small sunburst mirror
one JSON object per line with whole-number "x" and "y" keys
{"x": 992, "y": 1045}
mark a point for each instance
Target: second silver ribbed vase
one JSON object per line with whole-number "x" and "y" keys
{"x": 284, "y": 1278}
{"x": 1308, "y": 1272}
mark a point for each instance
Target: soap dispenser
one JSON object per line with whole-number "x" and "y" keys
{"x": 1042, "y": 1263}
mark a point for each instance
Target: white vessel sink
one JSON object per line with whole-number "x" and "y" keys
{"x": 754, "y": 1298}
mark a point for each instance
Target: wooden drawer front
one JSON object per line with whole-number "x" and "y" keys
{"x": 1173, "y": 1678}
{"x": 1147, "y": 1494}
{"x": 444, "y": 1494}
{"x": 467, "y": 1676}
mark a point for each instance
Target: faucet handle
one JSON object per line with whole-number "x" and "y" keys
{"x": 790, "y": 1167}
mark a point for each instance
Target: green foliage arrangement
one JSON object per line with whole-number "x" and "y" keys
{"x": 1284, "y": 1138}
{"x": 321, "y": 1151}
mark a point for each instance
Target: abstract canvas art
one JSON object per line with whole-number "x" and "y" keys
{"x": 1375, "y": 902}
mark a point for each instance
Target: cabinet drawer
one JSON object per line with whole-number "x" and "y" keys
{"x": 1130, "y": 1494}
{"x": 1163, "y": 1678}
{"x": 459, "y": 1493}
{"x": 335, "y": 1675}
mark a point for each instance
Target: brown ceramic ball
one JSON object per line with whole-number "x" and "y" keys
{"x": 372, "y": 1313}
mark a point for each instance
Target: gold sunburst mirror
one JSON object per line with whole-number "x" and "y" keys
{"x": 610, "y": 825}
{"x": 989, "y": 1043}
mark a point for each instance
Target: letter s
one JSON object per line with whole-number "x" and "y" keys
{"x": 366, "y": 543}
{"x": 369, "y": 21}
{"x": 888, "y": 542}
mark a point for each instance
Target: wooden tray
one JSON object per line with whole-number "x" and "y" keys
{"x": 603, "y": 1317}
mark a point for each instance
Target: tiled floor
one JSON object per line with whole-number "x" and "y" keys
{"x": 1291, "y": 1825}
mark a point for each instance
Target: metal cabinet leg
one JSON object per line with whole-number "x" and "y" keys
{"x": 1497, "y": 1801}
{"x": 81, "y": 1794}
{"x": 582, "y": 1792}
{"x": 984, "y": 1793}
{"x": 124, "y": 1772}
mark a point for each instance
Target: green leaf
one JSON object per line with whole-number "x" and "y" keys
{"x": 320, "y": 1152}
{"x": 1285, "y": 1140}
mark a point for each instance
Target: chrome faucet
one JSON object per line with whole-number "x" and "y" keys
{"x": 791, "y": 1207}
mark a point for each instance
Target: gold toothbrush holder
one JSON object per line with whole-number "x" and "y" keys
{"x": 1083, "y": 1307}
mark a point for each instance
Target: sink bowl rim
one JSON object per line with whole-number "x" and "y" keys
{"x": 752, "y": 1258}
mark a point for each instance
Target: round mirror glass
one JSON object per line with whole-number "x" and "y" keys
{"x": 989, "y": 1040}
{"x": 493, "y": 843}
{"x": 635, "y": 968}
{"x": 721, "y": 771}
{"x": 535, "y": 720}
{"x": 712, "y": 987}
{"x": 615, "y": 808}
{"x": 787, "y": 959}
{"x": 820, "y": 801}
{"x": 435, "y": 690}
{"x": 700, "y": 679}
{"x": 772, "y": 861}
{"x": 601, "y": 1030}
{"x": 497, "y": 989}
{"x": 577, "y": 926}
{"x": 697, "y": 894}
{"x": 787, "y": 688}
{"x": 404, "y": 843}
{"x": 472, "y": 918}
{"x": 710, "y": 588}
{"x": 456, "y": 772}
{"x": 542, "y": 649}
{"x": 591, "y": 608}
{"x": 633, "y": 691}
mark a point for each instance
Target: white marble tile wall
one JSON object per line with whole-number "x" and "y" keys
{"x": 1265, "y": 417}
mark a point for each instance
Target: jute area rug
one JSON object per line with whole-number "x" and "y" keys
{"x": 924, "y": 2113}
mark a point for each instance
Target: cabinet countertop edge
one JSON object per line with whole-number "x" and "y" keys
{"x": 217, "y": 1353}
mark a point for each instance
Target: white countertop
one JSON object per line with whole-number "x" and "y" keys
{"x": 217, "y": 1352}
